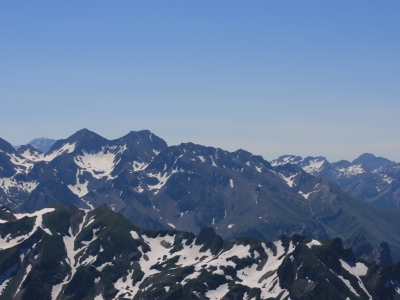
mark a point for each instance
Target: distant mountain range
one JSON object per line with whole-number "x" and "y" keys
{"x": 40, "y": 144}
{"x": 375, "y": 180}
{"x": 189, "y": 186}
{"x": 72, "y": 254}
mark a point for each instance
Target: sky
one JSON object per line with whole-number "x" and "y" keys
{"x": 310, "y": 78}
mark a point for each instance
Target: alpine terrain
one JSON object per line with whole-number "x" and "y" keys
{"x": 70, "y": 253}
{"x": 41, "y": 144}
{"x": 375, "y": 180}
{"x": 188, "y": 186}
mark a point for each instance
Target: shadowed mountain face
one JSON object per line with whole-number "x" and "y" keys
{"x": 375, "y": 180}
{"x": 380, "y": 256}
{"x": 69, "y": 253}
{"x": 189, "y": 186}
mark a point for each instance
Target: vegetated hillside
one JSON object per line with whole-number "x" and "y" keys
{"x": 187, "y": 187}
{"x": 69, "y": 253}
{"x": 375, "y": 180}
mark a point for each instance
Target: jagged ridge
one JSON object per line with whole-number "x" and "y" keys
{"x": 69, "y": 253}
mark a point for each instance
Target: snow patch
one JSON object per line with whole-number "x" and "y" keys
{"x": 170, "y": 224}
{"x": 289, "y": 180}
{"x": 357, "y": 269}
{"x": 212, "y": 161}
{"x": 6, "y": 277}
{"x": 219, "y": 292}
{"x": 7, "y": 183}
{"x": 139, "y": 166}
{"x": 162, "y": 179}
{"x": 66, "y": 148}
{"x": 351, "y": 171}
{"x": 79, "y": 189}
{"x": 99, "y": 164}
{"x": 314, "y": 165}
{"x": 22, "y": 164}
{"x": 313, "y": 243}
{"x": 7, "y": 242}
{"x": 33, "y": 156}
{"x": 135, "y": 235}
{"x": 387, "y": 179}
{"x": 305, "y": 195}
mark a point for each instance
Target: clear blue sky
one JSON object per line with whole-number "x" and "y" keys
{"x": 271, "y": 77}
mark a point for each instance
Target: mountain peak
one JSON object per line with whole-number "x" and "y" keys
{"x": 84, "y": 133}
{"x": 6, "y": 146}
{"x": 286, "y": 159}
{"x": 371, "y": 161}
{"x": 83, "y": 139}
{"x": 152, "y": 139}
{"x": 29, "y": 147}
{"x": 42, "y": 144}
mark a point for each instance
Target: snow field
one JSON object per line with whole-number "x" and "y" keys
{"x": 313, "y": 166}
{"x": 7, "y": 242}
{"x": 7, "y": 183}
{"x": 190, "y": 255}
{"x": 22, "y": 164}
{"x": 79, "y": 189}
{"x": 289, "y": 180}
{"x": 66, "y": 148}
{"x": 313, "y": 243}
{"x": 99, "y": 164}
{"x": 72, "y": 260}
{"x": 351, "y": 171}
{"x": 357, "y": 269}
{"x": 162, "y": 178}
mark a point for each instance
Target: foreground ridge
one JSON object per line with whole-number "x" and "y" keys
{"x": 70, "y": 253}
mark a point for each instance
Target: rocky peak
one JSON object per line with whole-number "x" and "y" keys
{"x": 6, "y": 146}
{"x": 371, "y": 162}
{"x": 381, "y": 255}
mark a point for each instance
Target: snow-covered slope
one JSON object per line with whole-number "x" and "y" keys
{"x": 83, "y": 163}
{"x": 98, "y": 254}
{"x": 312, "y": 165}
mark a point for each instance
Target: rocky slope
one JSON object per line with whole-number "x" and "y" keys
{"x": 70, "y": 253}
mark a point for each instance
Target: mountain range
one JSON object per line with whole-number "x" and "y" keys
{"x": 375, "y": 180}
{"x": 188, "y": 186}
{"x": 70, "y": 253}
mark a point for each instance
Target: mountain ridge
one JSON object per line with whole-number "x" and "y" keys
{"x": 375, "y": 180}
{"x": 189, "y": 186}
{"x": 69, "y": 253}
